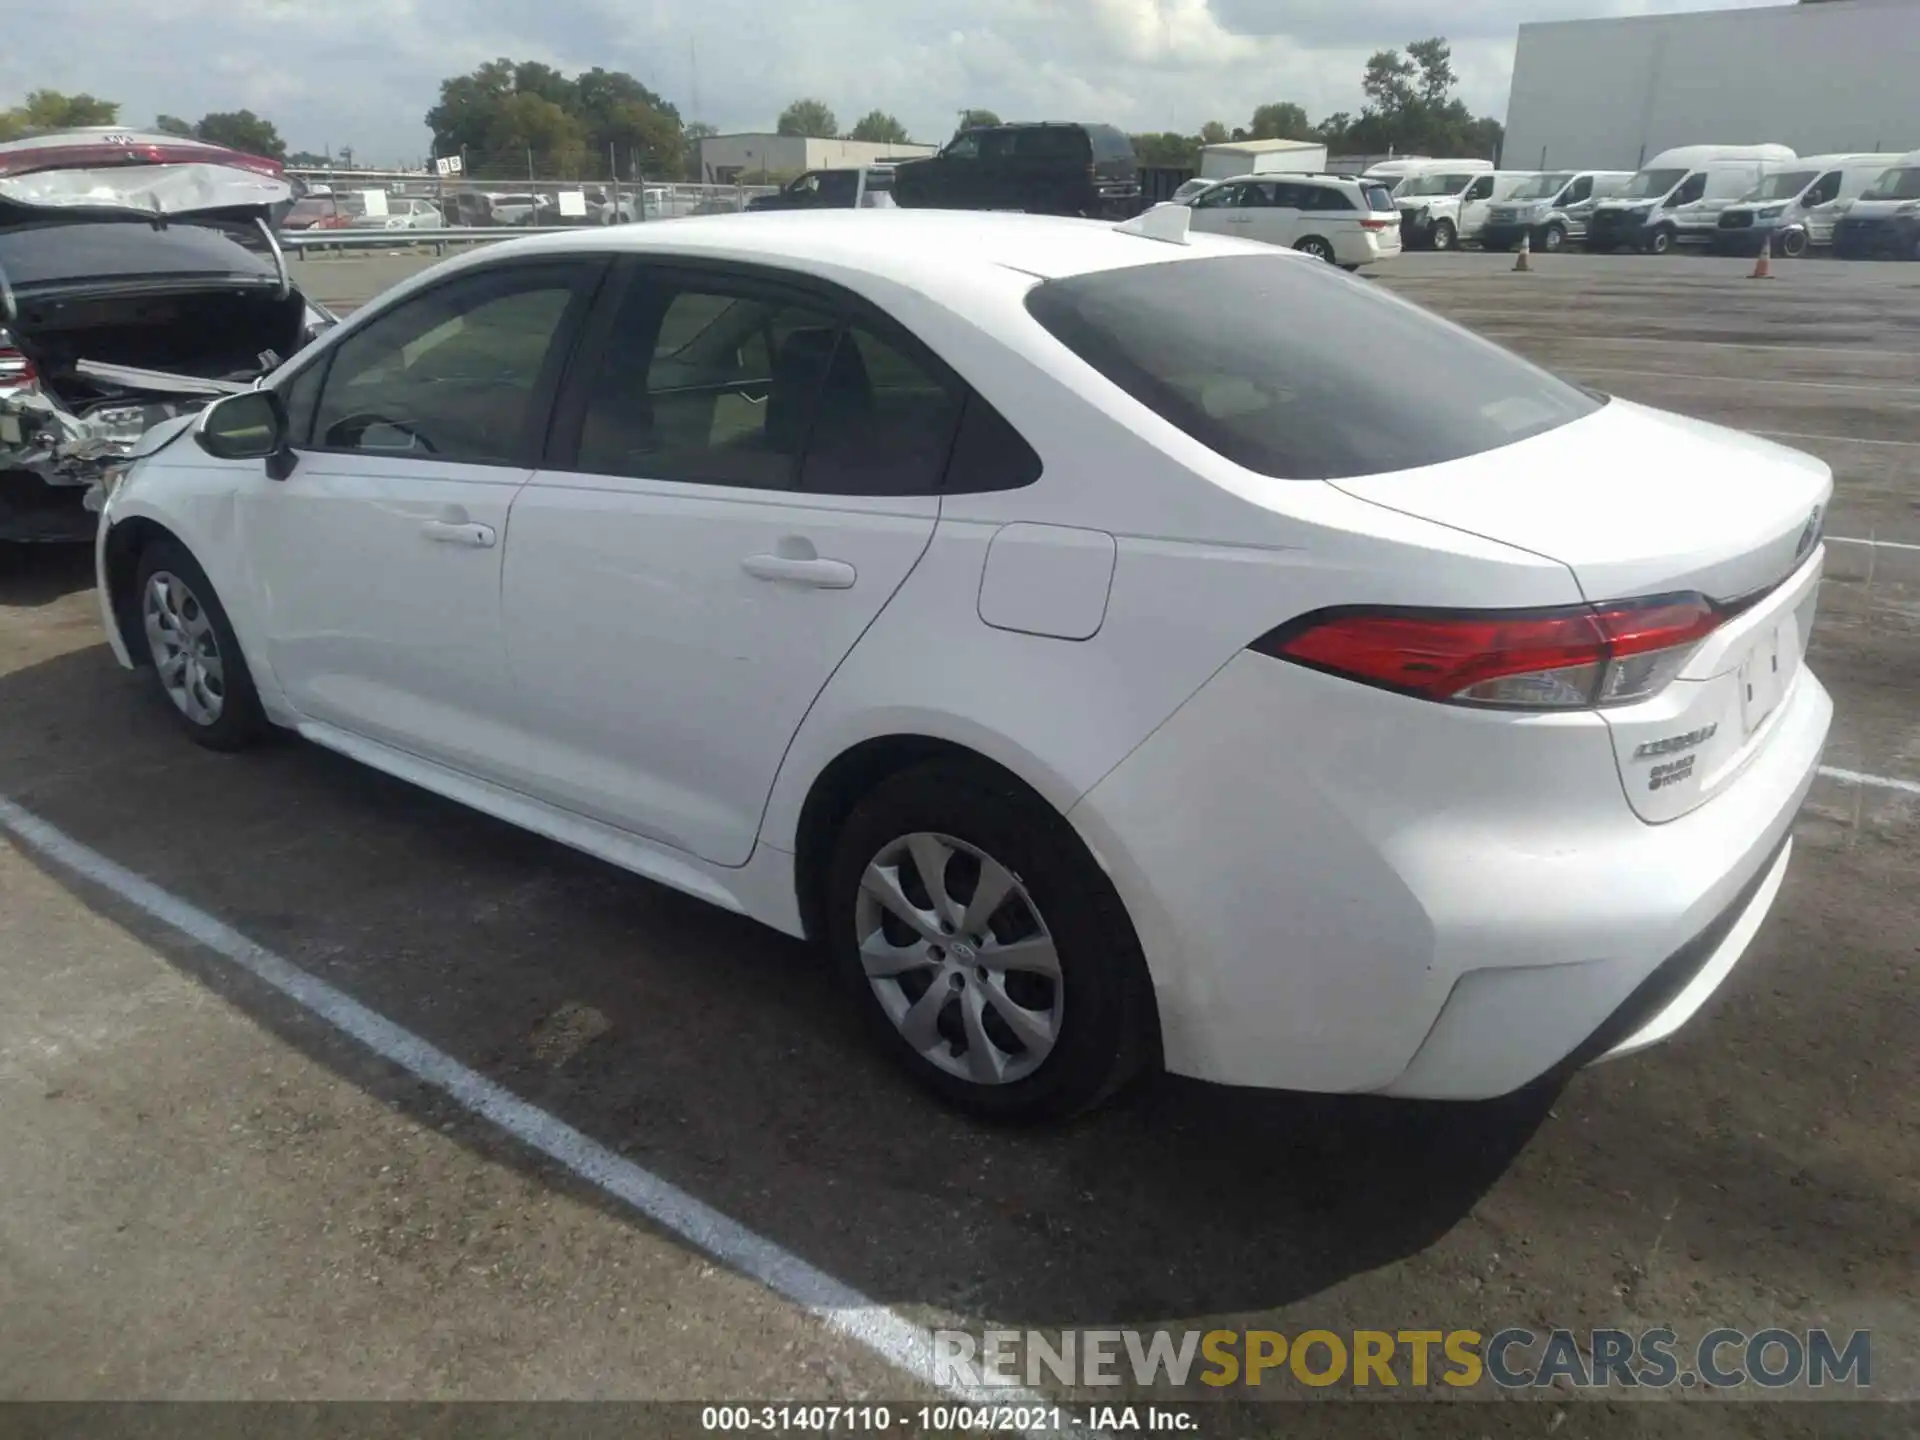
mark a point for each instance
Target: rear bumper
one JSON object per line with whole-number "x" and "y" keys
{"x": 1420, "y": 900}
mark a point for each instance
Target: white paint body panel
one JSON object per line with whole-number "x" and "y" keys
{"x": 1323, "y": 876}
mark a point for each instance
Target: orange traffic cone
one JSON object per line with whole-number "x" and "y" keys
{"x": 1763, "y": 267}
{"x": 1523, "y": 265}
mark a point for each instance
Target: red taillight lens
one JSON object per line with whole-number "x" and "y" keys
{"x": 1379, "y": 224}
{"x": 1569, "y": 659}
{"x": 16, "y": 368}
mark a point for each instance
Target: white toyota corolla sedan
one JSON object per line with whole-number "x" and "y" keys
{"x": 1114, "y": 646}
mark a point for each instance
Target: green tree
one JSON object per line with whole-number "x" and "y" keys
{"x": 52, "y": 110}
{"x": 694, "y": 132}
{"x": 971, "y": 118}
{"x": 1411, "y": 107}
{"x": 242, "y": 130}
{"x": 808, "y": 117}
{"x": 879, "y": 127}
{"x": 1213, "y": 133}
{"x": 307, "y": 160}
{"x": 173, "y": 125}
{"x": 1167, "y": 148}
{"x": 1282, "y": 120}
{"x": 598, "y": 123}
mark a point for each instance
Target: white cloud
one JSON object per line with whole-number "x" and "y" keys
{"x": 364, "y": 72}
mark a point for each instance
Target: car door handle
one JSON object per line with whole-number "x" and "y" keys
{"x": 449, "y": 532}
{"x": 820, "y": 574}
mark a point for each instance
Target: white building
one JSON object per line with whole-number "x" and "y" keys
{"x": 1252, "y": 157}
{"x": 725, "y": 159}
{"x": 1843, "y": 76}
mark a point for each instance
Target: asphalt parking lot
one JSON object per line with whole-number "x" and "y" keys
{"x": 209, "y": 1190}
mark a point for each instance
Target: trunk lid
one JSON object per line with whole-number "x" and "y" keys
{"x": 1639, "y": 503}
{"x": 143, "y": 192}
{"x": 1634, "y": 501}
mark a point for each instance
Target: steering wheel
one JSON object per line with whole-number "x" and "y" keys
{"x": 347, "y": 434}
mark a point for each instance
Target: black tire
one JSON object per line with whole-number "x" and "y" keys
{"x": 1313, "y": 245}
{"x": 1793, "y": 244}
{"x": 1553, "y": 239}
{"x": 241, "y": 721}
{"x": 1106, "y": 1019}
{"x": 1662, "y": 240}
{"x": 1445, "y": 236}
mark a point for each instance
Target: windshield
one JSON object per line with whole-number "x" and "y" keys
{"x": 1783, "y": 186}
{"x": 1416, "y": 185}
{"x": 1542, "y": 187}
{"x": 1649, "y": 184}
{"x": 1901, "y": 184}
{"x": 1296, "y": 372}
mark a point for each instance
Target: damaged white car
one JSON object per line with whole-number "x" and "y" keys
{"x": 133, "y": 288}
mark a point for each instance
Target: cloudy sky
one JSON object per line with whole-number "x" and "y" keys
{"x": 363, "y": 72}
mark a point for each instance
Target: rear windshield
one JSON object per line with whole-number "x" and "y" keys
{"x": 1293, "y": 370}
{"x": 1379, "y": 197}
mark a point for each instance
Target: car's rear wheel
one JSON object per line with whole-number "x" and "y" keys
{"x": 191, "y": 646}
{"x": 1444, "y": 235}
{"x": 1313, "y": 245}
{"x": 987, "y": 950}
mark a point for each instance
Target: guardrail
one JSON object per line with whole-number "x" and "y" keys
{"x": 301, "y": 241}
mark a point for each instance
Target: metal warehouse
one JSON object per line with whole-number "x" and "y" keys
{"x": 1822, "y": 78}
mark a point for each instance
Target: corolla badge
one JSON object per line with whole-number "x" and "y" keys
{"x": 1808, "y": 535}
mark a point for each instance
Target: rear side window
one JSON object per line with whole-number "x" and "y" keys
{"x": 1294, "y": 371}
{"x": 1379, "y": 197}
{"x": 1052, "y": 142}
{"x": 1323, "y": 198}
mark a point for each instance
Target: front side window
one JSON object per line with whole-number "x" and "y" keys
{"x": 1826, "y": 192}
{"x": 1295, "y": 372}
{"x": 450, "y": 375}
{"x": 1694, "y": 187}
{"x": 963, "y": 147}
{"x": 1218, "y": 197}
{"x": 1581, "y": 189}
{"x": 1481, "y": 189}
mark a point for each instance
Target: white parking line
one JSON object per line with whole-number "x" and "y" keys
{"x": 1877, "y": 782}
{"x": 1837, "y": 439}
{"x": 1879, "y": 544}
{"x": 1912, "y": 390}
{"x": 840, "y": 1307}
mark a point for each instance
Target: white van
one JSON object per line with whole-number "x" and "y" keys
{"x": 1676, "y": 198}
{"x": 1885, "y": 220}
{"x": 1797, "y": 207}
{"x": 1551, "y": 209}
{"x": 1441, "y": 207}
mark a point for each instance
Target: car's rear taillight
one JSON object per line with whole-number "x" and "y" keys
{"x": 1567, "y": 659}
{"x": 16, "y": 368}
{"x": 1378, "y": 224}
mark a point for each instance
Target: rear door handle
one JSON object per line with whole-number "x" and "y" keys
{"x": 820, "y": 574}
{"x": 449, "y": 532}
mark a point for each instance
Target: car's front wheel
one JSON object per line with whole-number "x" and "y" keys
{"x": 987, "y": 950}
{"x": 1554, "y": 238}
{"x": 1444, "y": 235}
{"x": 191, "y": 646}
{"x": 1662, "y": 240}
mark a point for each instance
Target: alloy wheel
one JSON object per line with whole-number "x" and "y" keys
{"x": 186, "y": 652}
{"x": 959, "y": 958}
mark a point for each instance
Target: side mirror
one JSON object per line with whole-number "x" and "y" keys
{"x": 249, "y": 426}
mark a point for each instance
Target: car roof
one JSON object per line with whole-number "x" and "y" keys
{"x": 924, "y": 250}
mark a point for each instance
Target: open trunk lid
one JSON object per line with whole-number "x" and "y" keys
{"x": 143, "y": 192}
{"x": 1638, "y": 503}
